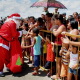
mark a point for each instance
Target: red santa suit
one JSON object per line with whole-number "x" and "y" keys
{"x": 9, "y": 45}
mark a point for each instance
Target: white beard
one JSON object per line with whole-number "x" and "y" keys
{"x": 17, "y": 24}
{"x": 16, "y": 21}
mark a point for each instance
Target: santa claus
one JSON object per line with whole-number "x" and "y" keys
{"x": 10, "y": 49}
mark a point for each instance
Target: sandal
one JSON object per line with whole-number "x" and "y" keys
{"x": 49, "y": 74}
{"x": 32, "y": 65}
{"x": 54, "y": 77}
{"x": 34, "y": 73}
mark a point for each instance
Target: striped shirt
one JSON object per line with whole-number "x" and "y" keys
{"x": 64, "y": 61}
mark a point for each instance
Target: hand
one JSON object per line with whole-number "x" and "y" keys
{"x": 61, "y": 51}
{"x": 63, "y": 33}
{"x": 74, "y": 66}
{"x": 54, "y": 30}
{"x": 35, "y": 24}
{"x": 52, "y": 43}
{"x": 60, "y": 54}
{"x": 23, "y": 47}
{"x": 65, "y": 40}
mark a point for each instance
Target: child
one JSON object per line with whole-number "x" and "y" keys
{"x": 44, "y": 52}
{"x": 25, "y": 29}
{"x": 36, "y": 46}
{"x": 64, "y": 68}
{"x": 73, "y": 63}
{"x": 50, "y": 56}
{"x": 32, "y": 52}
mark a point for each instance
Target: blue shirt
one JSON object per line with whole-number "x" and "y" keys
{"x": 37, "y": 45}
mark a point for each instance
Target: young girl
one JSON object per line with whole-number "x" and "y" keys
{"x": 73, "y": 63}
{"x": 36, "y": 46}
{"x": 50, "y": 56}
{"x": 48, "y": 23}
{"x": 25, "y": 29}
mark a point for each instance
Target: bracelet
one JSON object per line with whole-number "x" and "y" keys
{"x": 53, "y": 30}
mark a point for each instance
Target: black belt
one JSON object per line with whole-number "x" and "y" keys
{"x": 4, "y": 39}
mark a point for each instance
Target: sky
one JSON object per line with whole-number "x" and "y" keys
{"x": 8, "y": 7}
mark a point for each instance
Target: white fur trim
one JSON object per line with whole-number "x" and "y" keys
{"x": 8, "y": 19}
{"x": 4, "y": 46}
{"x": 16, "y": 17}
{"x": 20, "y": 33}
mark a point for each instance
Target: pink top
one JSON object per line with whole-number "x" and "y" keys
{"x": 59, "y": 38}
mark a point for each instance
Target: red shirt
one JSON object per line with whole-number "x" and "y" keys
{"x": 50, "y": 54}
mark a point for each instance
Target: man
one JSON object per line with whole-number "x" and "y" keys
{"x": 1, "y": 24}
{"x": 64, "y": 16}
{"x": 56, "y": 11}
{"x": 46, "y": 10}
{"x": 9, "y": 45}
{"x": 43, "y": 17}
{"x": 75, "y": 15}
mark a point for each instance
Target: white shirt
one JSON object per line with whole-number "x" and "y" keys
{"x": 24, "y": 32}
{"x": 73, "y": 59}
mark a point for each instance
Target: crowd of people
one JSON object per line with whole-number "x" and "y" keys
{"x": 55, "y": 49}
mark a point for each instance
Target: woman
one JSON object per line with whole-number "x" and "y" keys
{"x": 57, "y": 33}
{"x": 48, "y": 23}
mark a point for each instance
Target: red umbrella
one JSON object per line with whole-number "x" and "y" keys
{"x": 48, "y": 3}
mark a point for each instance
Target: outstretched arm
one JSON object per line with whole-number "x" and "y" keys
{"x": 67, "y": 41}
{"x": 34, "y": 41}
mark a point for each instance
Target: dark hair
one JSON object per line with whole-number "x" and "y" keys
{"x": 22, "y": 20}
{"x": 32, "y": 17}
{"x": 48, "y": 36}
{"x": 53, "y": 18}
{"x": 78, "y": 16}
{"x": 26, "y": 25}
{"x": 76, "y": 13}
{"x": 36, "y": 30}
{"x": 75, "y": 47}
{"x": 65, "y": 22}
{"x": 71, "y": 15}
{"x": 59, "y": 16}
{"x": 71, "y": 19}
{"x": 74, "y": 24}
{"x": 49, "y": 14}
{"x": 40, "y": 19}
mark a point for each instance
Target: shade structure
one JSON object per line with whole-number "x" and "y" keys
{"x": 48, "y": 3}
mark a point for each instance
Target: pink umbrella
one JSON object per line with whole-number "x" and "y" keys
{"x": 48, "y": 3}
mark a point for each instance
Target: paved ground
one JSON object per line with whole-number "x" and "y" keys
{"x": 26, "y": 74}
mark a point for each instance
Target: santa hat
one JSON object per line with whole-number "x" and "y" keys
{"x": 15, "y": 16}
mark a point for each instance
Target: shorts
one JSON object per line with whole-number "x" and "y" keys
{"x": 55, "y": 50}
{"x": 48, "y": 65}
{"x": 74, "y": 71}
{"x": 64, "y": 70}
{"x": 36, "y": 60}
